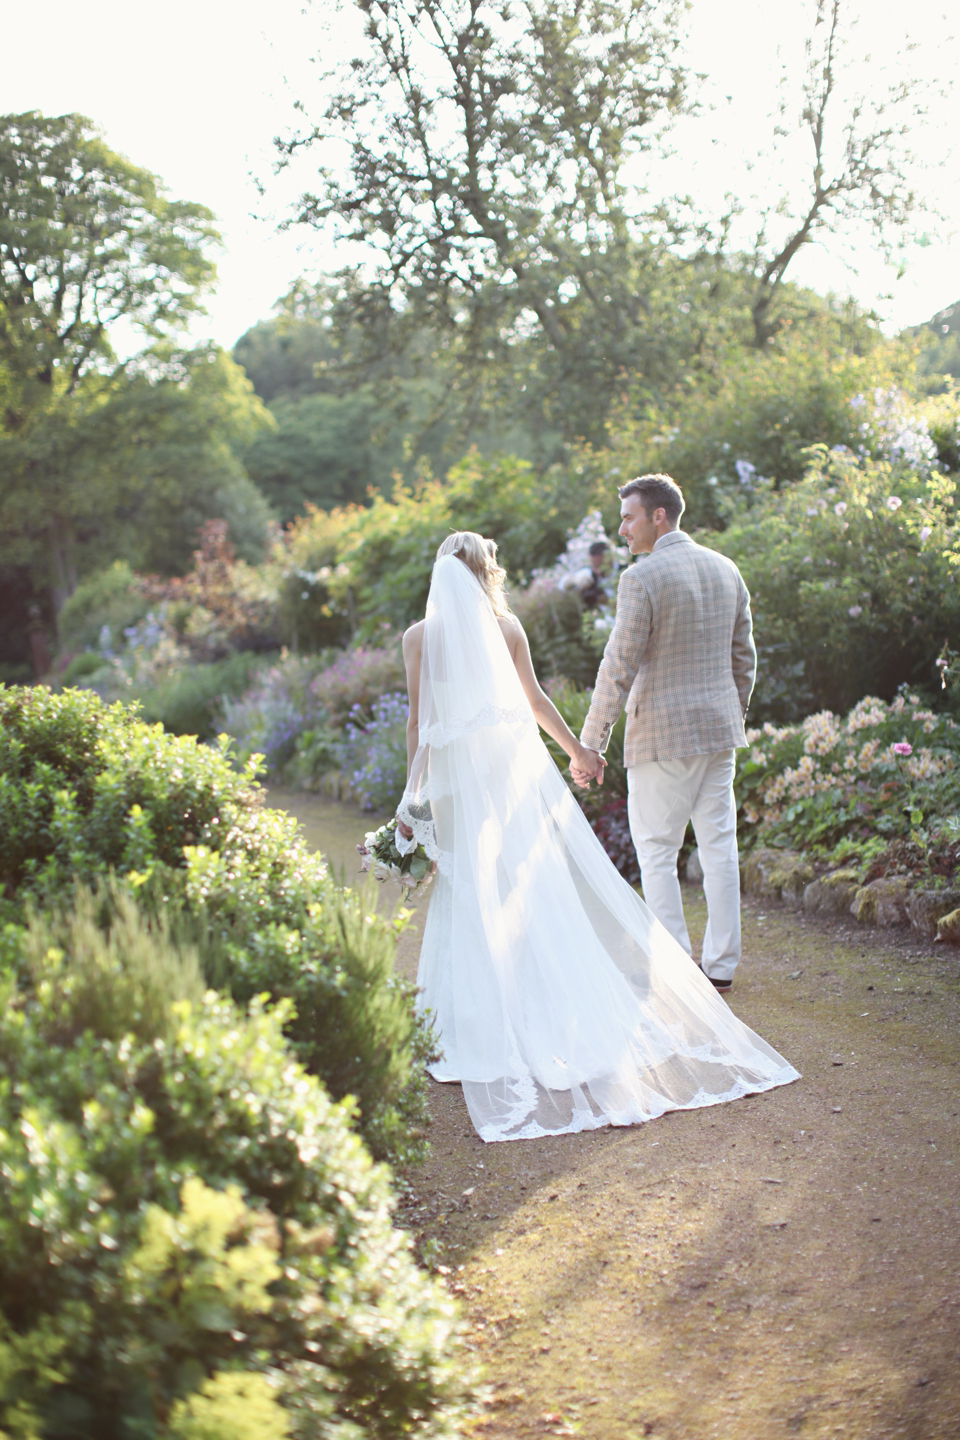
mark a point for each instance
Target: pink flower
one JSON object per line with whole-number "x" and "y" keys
{"x": 902, "y": 747}
{"x": 925, "y": 533}
{"x": 894, "y": 502}
{"x": 840, "y": 508}
{"x": 855, "y": 610}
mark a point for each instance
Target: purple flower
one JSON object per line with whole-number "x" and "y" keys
{"x": 855, "y": 610}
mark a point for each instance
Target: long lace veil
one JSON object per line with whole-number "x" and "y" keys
{"x": 468, "y": 685}
{"x": 560, "y": 1002}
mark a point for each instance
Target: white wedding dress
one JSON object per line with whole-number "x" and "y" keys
{"x": 560, "y": 1003}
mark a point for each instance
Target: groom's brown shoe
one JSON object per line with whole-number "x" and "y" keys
{"x": 721, "y": 985}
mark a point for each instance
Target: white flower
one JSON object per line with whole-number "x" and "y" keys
{"x": 821, "y": 733}
{"x": 894, "y": 502}
{"x": 854, "y": 611}
{"x": 925, "y": 533}
{"x": 840, "y": 508}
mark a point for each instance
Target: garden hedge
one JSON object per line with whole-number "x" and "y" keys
{"x": 87, "y": 789}
{"x": 194, "y": 1243}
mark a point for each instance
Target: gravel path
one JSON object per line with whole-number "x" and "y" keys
{"x": 783, "y": 1265}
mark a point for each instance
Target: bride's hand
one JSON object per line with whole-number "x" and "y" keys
{"x": 585, "y": 766}
{"x": 405, "y": 830}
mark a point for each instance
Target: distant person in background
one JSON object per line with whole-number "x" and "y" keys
{"x": 588, "y": 581}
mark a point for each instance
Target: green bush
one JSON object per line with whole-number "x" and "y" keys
{"x": 82, "y": 666}
{"x": 86, "y": 788}
{"x": 351, "y": 571}
{"x": 759, "y": 416}
{"x": 854, "y": 575}
{"x": 189, "y": 701}
{"x": 110, "y": 597}
{"x": 554, "y": 623}
{"x": 193, "y": 1243}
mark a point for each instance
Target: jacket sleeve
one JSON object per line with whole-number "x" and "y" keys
{"x": 743, "y": 653}
{"x": 621, "y": 660}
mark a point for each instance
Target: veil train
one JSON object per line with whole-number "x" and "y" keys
{"x": 560, "y": 1002}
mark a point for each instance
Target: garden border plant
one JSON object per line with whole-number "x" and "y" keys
{"x": 193, "y": 1241}
{"x": 86, "y": 789}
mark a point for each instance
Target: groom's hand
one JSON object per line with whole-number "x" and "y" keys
{"x": 590, "y": 767}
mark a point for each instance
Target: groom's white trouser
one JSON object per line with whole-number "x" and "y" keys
{"x": 663, "y": 796}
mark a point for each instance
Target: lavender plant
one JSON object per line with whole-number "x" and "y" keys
{"x": 281, "y": 706}
{"x": 374, "y": 752}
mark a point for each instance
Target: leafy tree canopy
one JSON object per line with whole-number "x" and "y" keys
{"x": 99, "y": 459}
{"x": 87, "y": 239}
{"x": 487, "y": 159}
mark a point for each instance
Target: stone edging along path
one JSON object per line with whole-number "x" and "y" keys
{"x": 884, "y": 904}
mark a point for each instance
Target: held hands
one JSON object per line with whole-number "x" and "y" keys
{"x": 587, "y": 765}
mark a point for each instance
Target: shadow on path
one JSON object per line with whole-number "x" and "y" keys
{"x": 783, "y": 1265}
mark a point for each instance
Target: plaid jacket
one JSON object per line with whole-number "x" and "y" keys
{"x": 680, "y": 656}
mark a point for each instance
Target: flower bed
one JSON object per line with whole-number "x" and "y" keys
{"x": 878, "y": 789}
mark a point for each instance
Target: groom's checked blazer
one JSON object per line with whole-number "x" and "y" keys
{"x": 680, "y": 656}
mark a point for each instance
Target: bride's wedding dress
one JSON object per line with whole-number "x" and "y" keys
{"x": 560, "y": 1003}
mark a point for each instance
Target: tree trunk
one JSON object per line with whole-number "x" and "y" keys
{"x": 63, "y": 565}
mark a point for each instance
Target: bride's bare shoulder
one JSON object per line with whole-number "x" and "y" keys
{"x": 511, "y": 628}
{"x": 412, "y": 638}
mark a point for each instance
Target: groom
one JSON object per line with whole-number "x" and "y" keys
{"x": 681, "y": 657}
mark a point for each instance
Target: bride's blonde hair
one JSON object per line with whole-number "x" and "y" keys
{"x": 480, "y": 556}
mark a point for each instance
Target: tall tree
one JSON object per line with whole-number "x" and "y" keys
{"x": 857, "y": 164}
{"x": 487, "y": 144}
{"x": 87, "y": 240}
{"x": 134, "y": 464}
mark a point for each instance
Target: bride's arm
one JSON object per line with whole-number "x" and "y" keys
{"x": 412, "y": 644}
{"x": 547, "y": 715}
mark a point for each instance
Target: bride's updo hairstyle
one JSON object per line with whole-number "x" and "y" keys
{"x": 480, "y": 556}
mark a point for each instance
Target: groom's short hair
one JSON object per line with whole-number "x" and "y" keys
{"x": 656, "y": 492}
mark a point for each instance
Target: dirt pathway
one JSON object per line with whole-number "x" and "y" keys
{"x": 783, "y": 1265}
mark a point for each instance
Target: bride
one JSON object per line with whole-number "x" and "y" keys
{"x": 560, "y": 1003}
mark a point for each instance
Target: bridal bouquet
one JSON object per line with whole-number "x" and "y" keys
{"x": 379, "y": 852}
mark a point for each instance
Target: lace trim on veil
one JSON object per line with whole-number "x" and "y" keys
{"x": 424, "y": 833}
{"x": 414, "y": 808}
{"x": 437, "y": 736}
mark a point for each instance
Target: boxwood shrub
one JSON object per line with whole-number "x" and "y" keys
{"x": 194, "y": 1243}
{"x": 87, "y": 789}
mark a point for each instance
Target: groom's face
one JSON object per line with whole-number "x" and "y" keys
{"x": 636, "y": 526}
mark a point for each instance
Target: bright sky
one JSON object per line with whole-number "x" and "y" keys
{"x": 195, "y": 90}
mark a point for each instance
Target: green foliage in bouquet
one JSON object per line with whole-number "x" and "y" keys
{"x": 194, "y": 1244}
{"x": 86, "y": 789}
{"x": 379, "y": 852}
